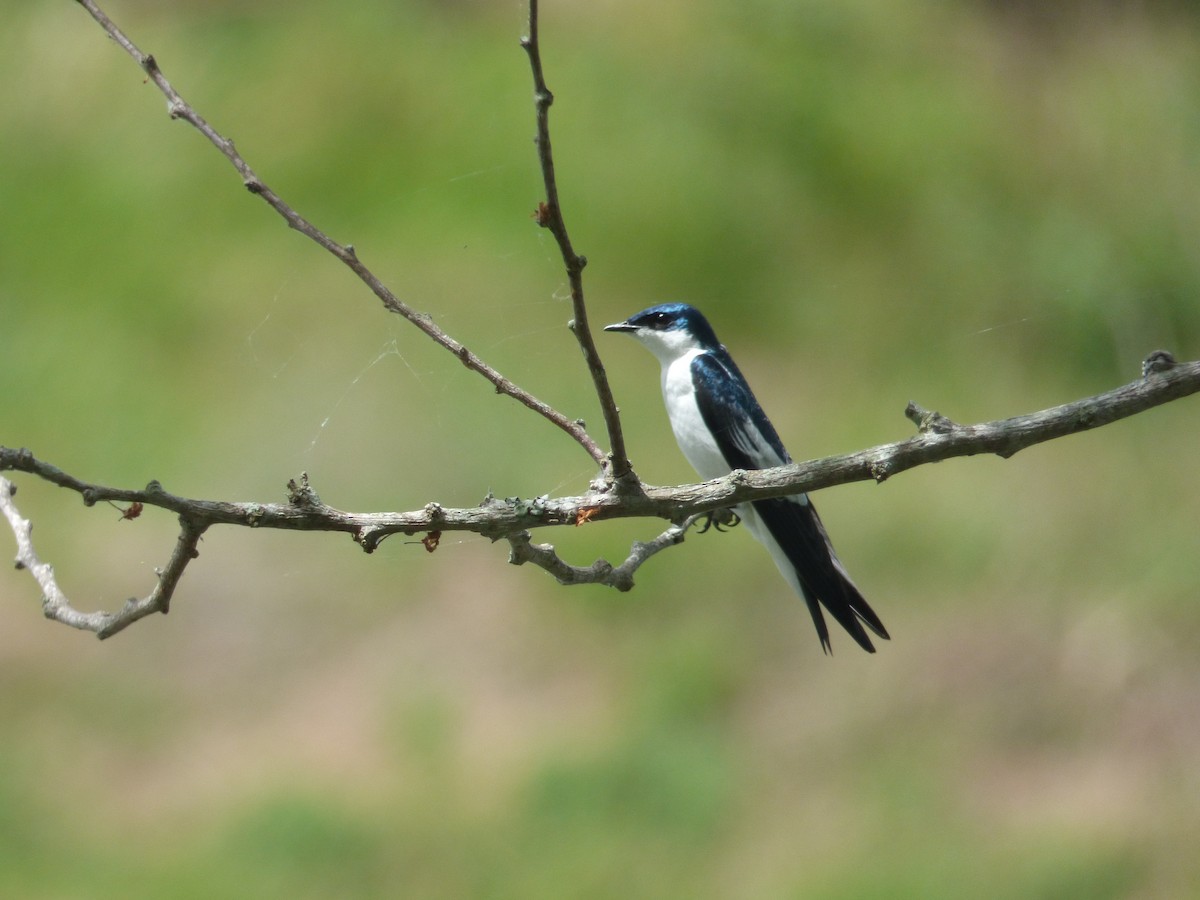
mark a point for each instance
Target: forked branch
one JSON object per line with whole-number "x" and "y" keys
{"x": 512, "y": 518}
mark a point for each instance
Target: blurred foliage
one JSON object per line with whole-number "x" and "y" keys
{"x": 987, "y": 207}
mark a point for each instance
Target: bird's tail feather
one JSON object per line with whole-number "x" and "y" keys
{"x": 806, "y": 557}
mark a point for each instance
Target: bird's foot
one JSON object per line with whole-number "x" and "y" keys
{"x": 721, "y": 519}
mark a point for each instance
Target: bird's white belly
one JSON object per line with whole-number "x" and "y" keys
{"x": 696, "y": 441}
{"x": 691, "y": 432}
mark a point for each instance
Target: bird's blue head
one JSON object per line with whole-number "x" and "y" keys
{"x": 670, "y": 329}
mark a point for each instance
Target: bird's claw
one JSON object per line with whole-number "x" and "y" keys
{"x": 720, "y": 519}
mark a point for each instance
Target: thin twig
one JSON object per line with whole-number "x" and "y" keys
{"x": 54, "y": 602}
{"x": 523, "y": 550}
{"x": 549, "y": 215}
{"x": 178, "y": 108}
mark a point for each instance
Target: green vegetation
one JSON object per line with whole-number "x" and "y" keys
{"x": 978, "y": 206}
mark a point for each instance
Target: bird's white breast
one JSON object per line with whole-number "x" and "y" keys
{"x": 691, "y": 433}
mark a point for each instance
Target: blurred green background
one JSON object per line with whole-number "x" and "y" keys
{"x": 985, "y": 207}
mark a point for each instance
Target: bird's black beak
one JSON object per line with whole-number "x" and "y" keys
{"x": 620, "y": 326}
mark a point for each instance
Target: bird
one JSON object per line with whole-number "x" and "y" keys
{"x": 720, "y": 426}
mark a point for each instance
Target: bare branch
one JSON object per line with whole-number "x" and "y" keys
{"x": 54, "y": 602}
{"x": 495, "y": 518}
{"x": 512, "y": 518}
{"x": 942, "y": 439}
{"x": 601, "y": 571}
{"x": 549, "y": 216}
{"x": 178, "y": 108}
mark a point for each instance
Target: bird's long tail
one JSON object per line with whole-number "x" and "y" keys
{"x": 793, "y": 532}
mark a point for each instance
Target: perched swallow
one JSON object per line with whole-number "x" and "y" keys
{"x": 720, "y": 427}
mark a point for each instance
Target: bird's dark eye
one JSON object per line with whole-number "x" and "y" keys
{"x": 654, "y": 320}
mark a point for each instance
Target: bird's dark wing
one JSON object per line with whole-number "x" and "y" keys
{"x": 744, "y": 434}
{"x": 748, "y": 440}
